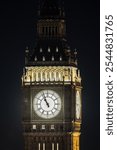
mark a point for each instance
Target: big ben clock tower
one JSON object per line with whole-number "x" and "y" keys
{"x": 51, "y": 85}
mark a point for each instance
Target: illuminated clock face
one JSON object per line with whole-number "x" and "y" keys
{"x": 47, "y": 104}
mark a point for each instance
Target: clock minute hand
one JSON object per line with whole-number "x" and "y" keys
{"x": 46, "y": 100}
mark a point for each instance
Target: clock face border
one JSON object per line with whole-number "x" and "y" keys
{"x": 49, "y": 103}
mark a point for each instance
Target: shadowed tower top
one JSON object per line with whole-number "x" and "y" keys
{"x": 52, "y": 9}
{"x": 52, "y": 47}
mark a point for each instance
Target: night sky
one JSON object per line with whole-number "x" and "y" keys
{"x": 18, "y": 30}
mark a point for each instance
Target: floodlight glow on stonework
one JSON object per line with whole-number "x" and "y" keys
{"x": 51, "y": 84}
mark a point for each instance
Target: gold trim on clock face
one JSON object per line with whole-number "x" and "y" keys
{"x": 47, "y": 104}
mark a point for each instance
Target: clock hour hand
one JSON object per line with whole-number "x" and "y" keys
{"x": 46, "y": 102}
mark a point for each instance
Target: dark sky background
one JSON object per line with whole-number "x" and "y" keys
{"x": 17, "y": 30}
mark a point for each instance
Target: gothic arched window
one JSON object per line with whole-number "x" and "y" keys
{"x": 43, "y": 76}
{"x": 52, "y": 76}
{"x": 48, "y": 76}
{"x": 57, "y": 76}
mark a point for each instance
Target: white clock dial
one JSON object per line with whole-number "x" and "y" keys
{"x": 78, "y": 105}
{"x": 47, "y": 104}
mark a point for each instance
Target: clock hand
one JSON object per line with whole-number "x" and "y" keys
{"x": 48, "y": 105}
{"x": 46, "y": 102}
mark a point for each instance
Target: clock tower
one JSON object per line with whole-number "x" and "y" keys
{"x": 51, "y": 84}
